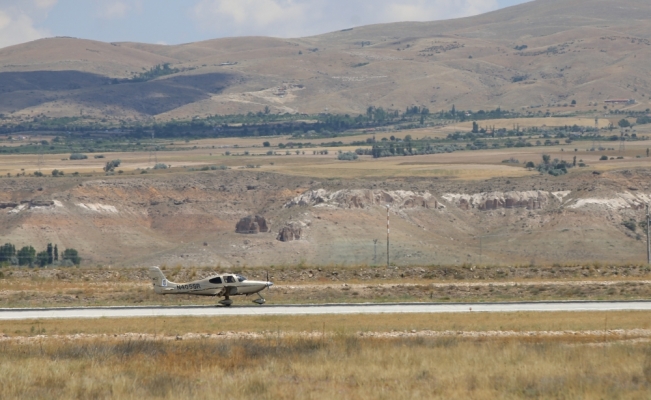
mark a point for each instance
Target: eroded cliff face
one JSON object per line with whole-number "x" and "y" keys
{"x": 539, "y": 200}
{"x": 365, "y": 198}
{"x": 531, "y": 200}
{"x": 189, "y": 219}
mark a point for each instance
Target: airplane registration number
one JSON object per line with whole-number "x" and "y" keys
{"x": 191, "y": 286}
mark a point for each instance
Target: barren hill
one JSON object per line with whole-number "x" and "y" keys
{"x": 190, "y": 219}
{"x": 531, "y": 55}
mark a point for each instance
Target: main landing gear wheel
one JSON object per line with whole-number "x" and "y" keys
{"x": 226, "y": 302}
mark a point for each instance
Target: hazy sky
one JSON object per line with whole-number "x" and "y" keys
{"x": 182, "y": 21}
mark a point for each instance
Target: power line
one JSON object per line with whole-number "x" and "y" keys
{"x": 648, "y": 237}
{"x": 388, "y": 264}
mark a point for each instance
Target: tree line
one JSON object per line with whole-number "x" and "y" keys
{"x": 28, "y": 256}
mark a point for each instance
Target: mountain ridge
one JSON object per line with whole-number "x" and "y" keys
{"x": 540, "y": 54}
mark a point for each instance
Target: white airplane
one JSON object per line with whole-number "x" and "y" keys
{"x": 218, "y": 285}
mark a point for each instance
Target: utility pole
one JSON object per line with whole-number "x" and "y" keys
{"x": 648, "y": 238}
{"x": 480, "y": 248}
{"x": 374, "y": 251}
{"x": 388, "y": 264}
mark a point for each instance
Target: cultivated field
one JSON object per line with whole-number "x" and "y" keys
{"x": 465, "y": 164}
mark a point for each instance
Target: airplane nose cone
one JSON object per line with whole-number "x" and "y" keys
{"x": 270, "y": 284}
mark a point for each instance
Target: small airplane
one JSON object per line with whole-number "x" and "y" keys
{"x": 217, "y": 285}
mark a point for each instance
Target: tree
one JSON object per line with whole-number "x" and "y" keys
{"x": 56, "y": 253}
{"x": 26, "y": 255}
{"x": 112, "y": 165}
{"x": 574, "y": 161}
{"x": 546, "y": 159}
{"x": 475, "y": 127}
{"x": 7, "y": 252}
{"x": 41, "y": 259}
{"x": 266, "y": 144}
{"x": 72, "y": 255}
{"x": 50, "y": 253}
{"x": 623, "y": 123}
{"x": 408, "y": 138}
{"x": 573, "y": 102}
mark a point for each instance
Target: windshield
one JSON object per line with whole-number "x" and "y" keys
{"x": 241, "y": 278}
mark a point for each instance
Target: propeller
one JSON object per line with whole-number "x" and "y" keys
{"x": 269, "y": 284}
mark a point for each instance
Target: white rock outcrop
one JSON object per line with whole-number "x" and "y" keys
{"x": 365, "y": 198}
{"x": 620, "y": 201}
{"x": 531, "y": 200}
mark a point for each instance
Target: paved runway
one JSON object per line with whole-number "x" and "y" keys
{"x": 124, "y": 312}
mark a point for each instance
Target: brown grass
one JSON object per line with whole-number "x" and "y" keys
{"x": 342, "y": 366}
{"x": 85, "y": 286}
{"x": 339, "y": 364}
{"x": 349, "y": 324}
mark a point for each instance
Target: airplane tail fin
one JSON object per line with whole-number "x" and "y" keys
{"x": 159, "y": 280}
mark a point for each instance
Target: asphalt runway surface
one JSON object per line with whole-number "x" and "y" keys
{"x": 321, "y": 309}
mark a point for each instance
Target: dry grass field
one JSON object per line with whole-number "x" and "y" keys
{"x": 334, "y": 361}
{"x": 354, "y": 284}
{"x": 585, "y": 322}
{"x": 536, "y": 123}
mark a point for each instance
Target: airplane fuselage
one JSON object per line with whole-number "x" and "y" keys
{"x": 225, "y": 285}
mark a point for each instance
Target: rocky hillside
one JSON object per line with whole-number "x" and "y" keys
{"x": 190, "y": 219}
{"x": 537, "y": 55}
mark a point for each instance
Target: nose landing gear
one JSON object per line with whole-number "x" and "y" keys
{"x": 260, "y": 301}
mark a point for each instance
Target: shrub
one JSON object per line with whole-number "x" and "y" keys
{"x": 643, "y": 120}
{"x": 347, "y": 156}
{"x": 78, "y": 156}
{"x": 160, "y": 166}
{"x": 603, "y": 158}
{"x": 630, "y": 225}
{"x": 38, "y": 173}
{"x": 99, "y": 156}
{"x": 56, "y": 172}
{"x": 530, "y": 164}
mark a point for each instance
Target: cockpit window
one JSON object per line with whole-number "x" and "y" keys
{"x": 216, "y": 280}
{"x": 230, "y": 279}
{"x": 241, "y": 278}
